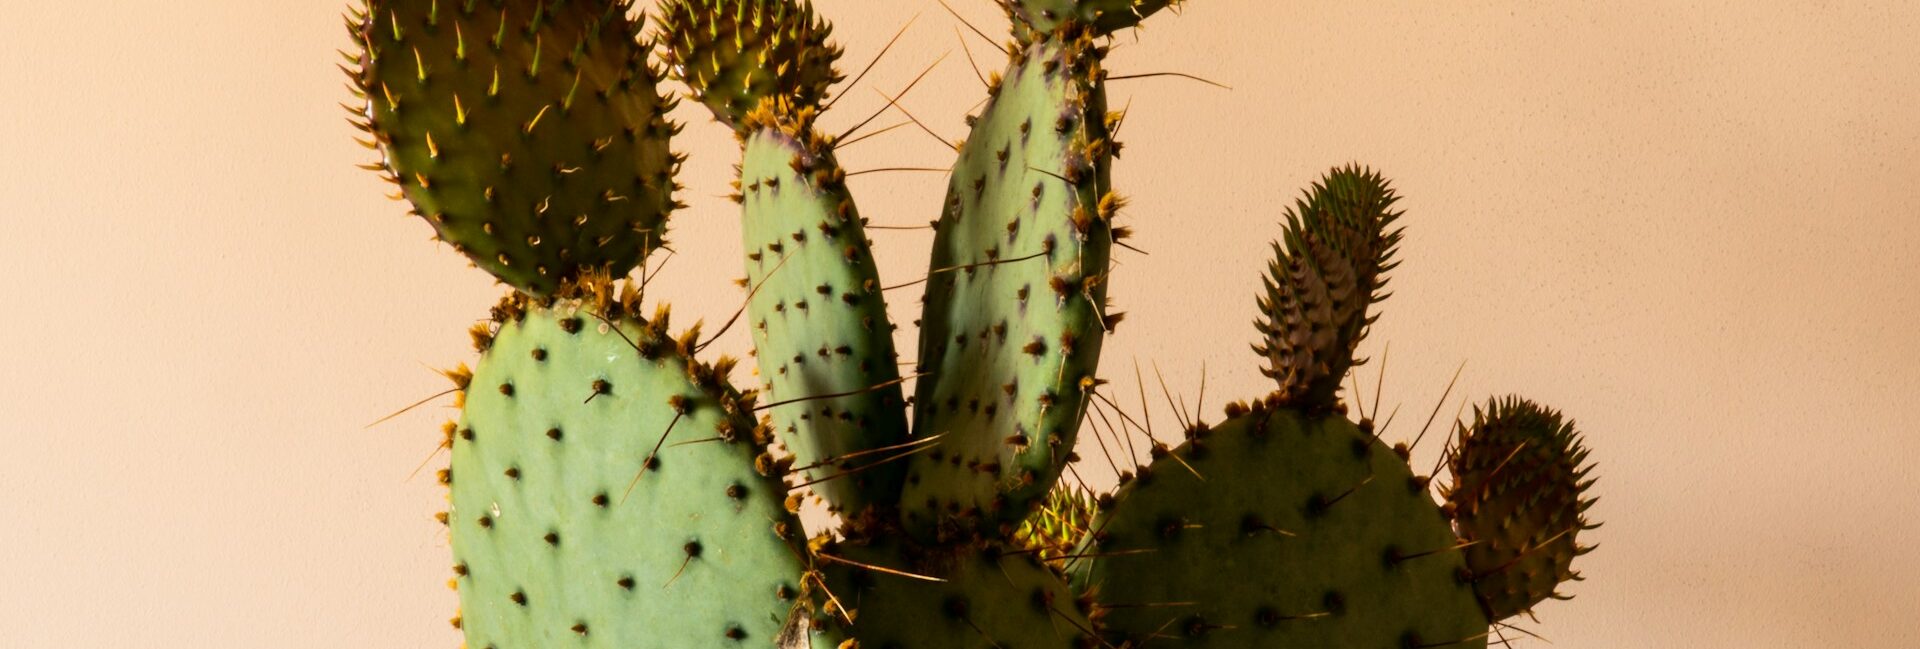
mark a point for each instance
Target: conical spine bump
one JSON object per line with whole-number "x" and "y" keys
{"x": 735, "y": 54}
{"x": 1327, "y": 273}
{"x": 1520, "y": 477}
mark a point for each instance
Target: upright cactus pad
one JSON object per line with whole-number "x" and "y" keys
{"x": 608, "y": 491}
{"x": 819, "y": 321}
{"x": 1015, "y": 303}
{"x": 1276, "y": 529}
{"x": 1107, "y": 16}
{"x": 530, "y": 134}
{"x": 970, "y": 596}
{"x": 1518, "y": 497}
{"x": 1339, "y": 244}
{"x": 734, "y": 54}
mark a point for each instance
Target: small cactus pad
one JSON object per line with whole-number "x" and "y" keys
{"x": 985, "y": 597}
{"x": 819, "y": 321}
{"x": 1015, "y": 303}
{"x": 1519, "y": 476}
{"x": 1338, "y": 246}
{"x": 1106, "y": 16}
{"x": 734, "y": 54}
{"x": 1303, "y": 532}
{"x": 1057, "y": 528}
{"x": 531, "y": 135}
{"x": 607, "y": 491}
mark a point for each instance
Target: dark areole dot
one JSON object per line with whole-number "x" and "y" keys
{"x": 1196, "y": 627}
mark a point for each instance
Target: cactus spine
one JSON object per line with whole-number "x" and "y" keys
{"x": 607, "y": 488}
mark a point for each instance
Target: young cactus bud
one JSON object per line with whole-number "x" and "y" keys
{"x": 1519, "y": 474}
{"x": 1338, "y": 246}
{"x": 734, "y": 54}
{"x": 530, "y": 134}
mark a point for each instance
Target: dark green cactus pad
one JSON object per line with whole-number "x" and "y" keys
{"x": 559, "y": 536}
{"x": 1015, "y": 303}
{"x": 819, "y": 321}
{"x": 1304, "y": 532}
{"x": 1106, "y": 16}
{"x": 734, "y": 54}
{"x": 531, "y": 135}
{"x": 985, "y": 598}
{"x": 1520, "y": 473}
{"x": 1338, "y": 246}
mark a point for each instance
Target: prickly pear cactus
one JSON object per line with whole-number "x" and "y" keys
{"x": 1520, "y": 475}
{"x": 1015, "y": 307}
{"x": 608, "y": 490}
{"x": 819, "y": 321}
{"x": 1279, "y": 529}
{"x": 530, "y": 134}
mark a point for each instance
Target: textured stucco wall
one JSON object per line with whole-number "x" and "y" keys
{"x": 1692, "y": 225}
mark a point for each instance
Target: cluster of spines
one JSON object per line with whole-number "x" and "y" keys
{"x": 1326, "y": 275}
{"x": 1056, "y": 528}
{"x": 488, "y": 122}
{"x": 1520, "y": 475}
{"x": 735, "y": 54}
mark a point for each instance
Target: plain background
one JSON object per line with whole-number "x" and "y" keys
{"x": 1691, "y": 225}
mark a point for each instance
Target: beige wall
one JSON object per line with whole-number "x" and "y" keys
{"x": 1691, "y": 224}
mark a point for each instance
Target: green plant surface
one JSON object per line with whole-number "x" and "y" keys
{"x": 1275, "y": 529}
{"x": 608, "y": 491}
{"x": 1015, "y": 307}
{"x": 966, "y": 596}
{"x": 819, "y": 320}
{"x": 531, "y": 135}
{"x": 1520, "y": 475}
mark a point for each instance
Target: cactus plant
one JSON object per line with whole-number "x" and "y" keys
{"x": 607, "y": 488}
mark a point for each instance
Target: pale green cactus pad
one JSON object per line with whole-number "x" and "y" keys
{"x": 819, "y": 320}
{"x": 607, "y": 491}
{"x": 1015, "y": 305}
